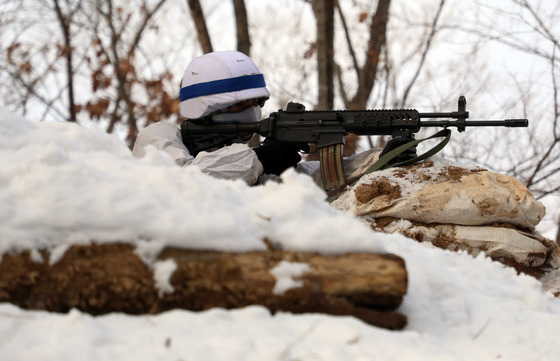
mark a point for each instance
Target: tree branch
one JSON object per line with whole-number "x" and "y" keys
{"x": 378, "y": 29}
{"x": 424, "y": 53}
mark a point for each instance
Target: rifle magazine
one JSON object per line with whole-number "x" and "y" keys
{"x": 332, "y": 170}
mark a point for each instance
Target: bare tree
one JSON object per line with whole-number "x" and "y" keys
{"x": 28, "y": 62}
{"x": 327, "y": 67}
{"x": 200, "y": 21}
{"x": 99, "y": 44}
{"x": 242, "y": 25}
{"x": 64, "y": 20}
{"x": 117, "y": 53}
{"x": 558, "y": 232}
{"x": 241, "y": 20}
{"x": 324, "y": 15}
{"x": 529, "y": 29}
{"x": 368, "y": 71}
{"x": 426, "y": 49}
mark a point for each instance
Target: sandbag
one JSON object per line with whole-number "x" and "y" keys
{"x": 456, "y": 208}
{"x": 500, "y": 243}
{"x": 449, "y": 195}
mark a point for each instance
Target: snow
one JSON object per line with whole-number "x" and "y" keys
{"x": 286, "y": 274}
{"x": 61, "y": 184}
{"x": 162, "y": 274}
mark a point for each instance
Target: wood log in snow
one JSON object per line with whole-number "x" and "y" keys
{"x": 110, "y": 278}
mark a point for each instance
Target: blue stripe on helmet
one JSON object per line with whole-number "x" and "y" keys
{"x": 222, "y": 86}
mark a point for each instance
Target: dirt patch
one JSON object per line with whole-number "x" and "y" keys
{"x": 416, "y": 174}
{"x": 366, "y": 192}
{"x": 384, "y": 221}
{"x": 456, "y": 173}
{"x": 93, "y": 278}
{"x": 424, "y": 173}
{"x": 446, "y": 240}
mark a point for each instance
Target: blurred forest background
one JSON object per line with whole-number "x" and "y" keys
{"x": 117, "y": 64}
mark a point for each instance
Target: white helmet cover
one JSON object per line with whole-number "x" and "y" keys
{"x": 217, "y": 80}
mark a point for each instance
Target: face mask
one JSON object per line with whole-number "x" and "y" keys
{"x": 249, "y": 115}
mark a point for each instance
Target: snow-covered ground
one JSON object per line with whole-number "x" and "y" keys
{"x": 61, "y": 184}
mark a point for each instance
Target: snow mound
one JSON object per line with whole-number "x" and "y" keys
{"x": 62, "y": 184}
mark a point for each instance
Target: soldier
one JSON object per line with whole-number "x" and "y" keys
{"x": 223, "y": 86}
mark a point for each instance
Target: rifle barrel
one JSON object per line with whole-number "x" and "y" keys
{"x": 511, "y": 123}
{"x": 438, "y": 115}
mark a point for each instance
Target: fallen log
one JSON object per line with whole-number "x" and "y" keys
{"x": 107, "y": 278}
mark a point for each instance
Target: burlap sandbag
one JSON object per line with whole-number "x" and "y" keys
{"x": 455, "y": 208}
{"x": 476, "y": 197}
{"x": 500, "y": 243}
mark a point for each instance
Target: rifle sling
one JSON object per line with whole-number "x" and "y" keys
{"x": 382, "y": 162}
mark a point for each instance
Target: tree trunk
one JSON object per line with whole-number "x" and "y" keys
{"x": 200, "y": 23}
{"x": 110, "y": 278}
{"x": 378, "y": 30}
{"x": 64, "y": 22}
{"x": 243, "y": 38}
{"x": 558, "y": 232}
{"x": 324, "y": 14}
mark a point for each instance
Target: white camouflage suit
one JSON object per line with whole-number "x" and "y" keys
{"x": 236, "y": 161}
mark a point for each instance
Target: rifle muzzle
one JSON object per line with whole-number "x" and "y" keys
{"x": 516, "y": 123}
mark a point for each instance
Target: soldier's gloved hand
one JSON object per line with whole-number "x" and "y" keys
{"x": 276, "y": 156}
{"x": 396, "y": 142}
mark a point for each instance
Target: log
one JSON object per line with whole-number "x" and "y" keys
{"x": 111, "y": 278}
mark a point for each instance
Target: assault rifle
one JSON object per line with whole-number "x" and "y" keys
{"x": 327, "y": 130}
